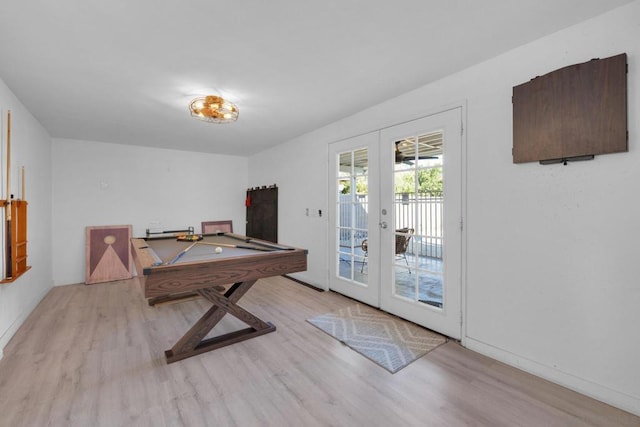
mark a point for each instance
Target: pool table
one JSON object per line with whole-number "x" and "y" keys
{"x": 221, "y": 268}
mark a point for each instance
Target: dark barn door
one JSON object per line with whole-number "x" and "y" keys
{"x": 262, "y": 213}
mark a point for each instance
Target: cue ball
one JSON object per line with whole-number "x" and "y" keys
{"x": 218, "y": 250}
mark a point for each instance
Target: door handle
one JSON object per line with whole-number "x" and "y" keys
{"x": 383, "y": 225}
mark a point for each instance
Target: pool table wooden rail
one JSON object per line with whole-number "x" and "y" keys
{"x": 161, "y": 280}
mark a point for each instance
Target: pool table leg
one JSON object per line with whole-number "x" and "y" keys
{"x": 193, "y": 342}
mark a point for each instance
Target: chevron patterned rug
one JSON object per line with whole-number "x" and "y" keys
{"x": 389, "y": 341}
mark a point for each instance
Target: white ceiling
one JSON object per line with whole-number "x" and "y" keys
{"x": 123, "y": 71}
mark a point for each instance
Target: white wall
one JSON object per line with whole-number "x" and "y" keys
{"x": 108, "y": 184}
{"x": 300, "y": 171}
{"x": 552, "y": 273}
{"x": 31, "y": 148}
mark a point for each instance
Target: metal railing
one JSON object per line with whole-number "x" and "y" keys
{"x": 423, "y": 212}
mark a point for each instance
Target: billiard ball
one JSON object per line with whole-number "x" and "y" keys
{"x": 218, "y": 250}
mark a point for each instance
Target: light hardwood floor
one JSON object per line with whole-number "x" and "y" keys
{"x": 93, "y": 356}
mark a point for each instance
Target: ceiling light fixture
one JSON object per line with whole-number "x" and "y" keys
{"x": 214, "y": 109}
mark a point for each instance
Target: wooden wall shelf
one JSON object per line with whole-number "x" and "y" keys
{"x": 16, "y": 265}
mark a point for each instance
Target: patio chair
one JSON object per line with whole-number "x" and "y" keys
{"x": 402, "y": 244}
{"x": 365, "y": 248}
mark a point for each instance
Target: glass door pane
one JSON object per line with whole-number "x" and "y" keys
{"x": 418, "y": 208}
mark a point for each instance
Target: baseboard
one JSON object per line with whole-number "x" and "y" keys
{"x": 11, "y": 330}
{"x": 302, "y": 282}
{"x": 597, "y": 391}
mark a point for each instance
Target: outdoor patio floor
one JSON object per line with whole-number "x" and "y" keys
{"x": 428, "y": 277}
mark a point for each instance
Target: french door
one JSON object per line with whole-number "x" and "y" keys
{"x": 354, "y": 213}
{"x": 421, "y": 247}
{"x": 396, "y": 238}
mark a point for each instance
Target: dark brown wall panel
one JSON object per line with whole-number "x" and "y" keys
{"x": 574, "y": 111}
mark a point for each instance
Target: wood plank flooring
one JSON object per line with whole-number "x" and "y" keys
{"x": 93, "y": 356}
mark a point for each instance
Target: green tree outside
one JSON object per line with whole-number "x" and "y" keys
{"x": 429, "y": 181}
{"x": 361, "y": 186}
